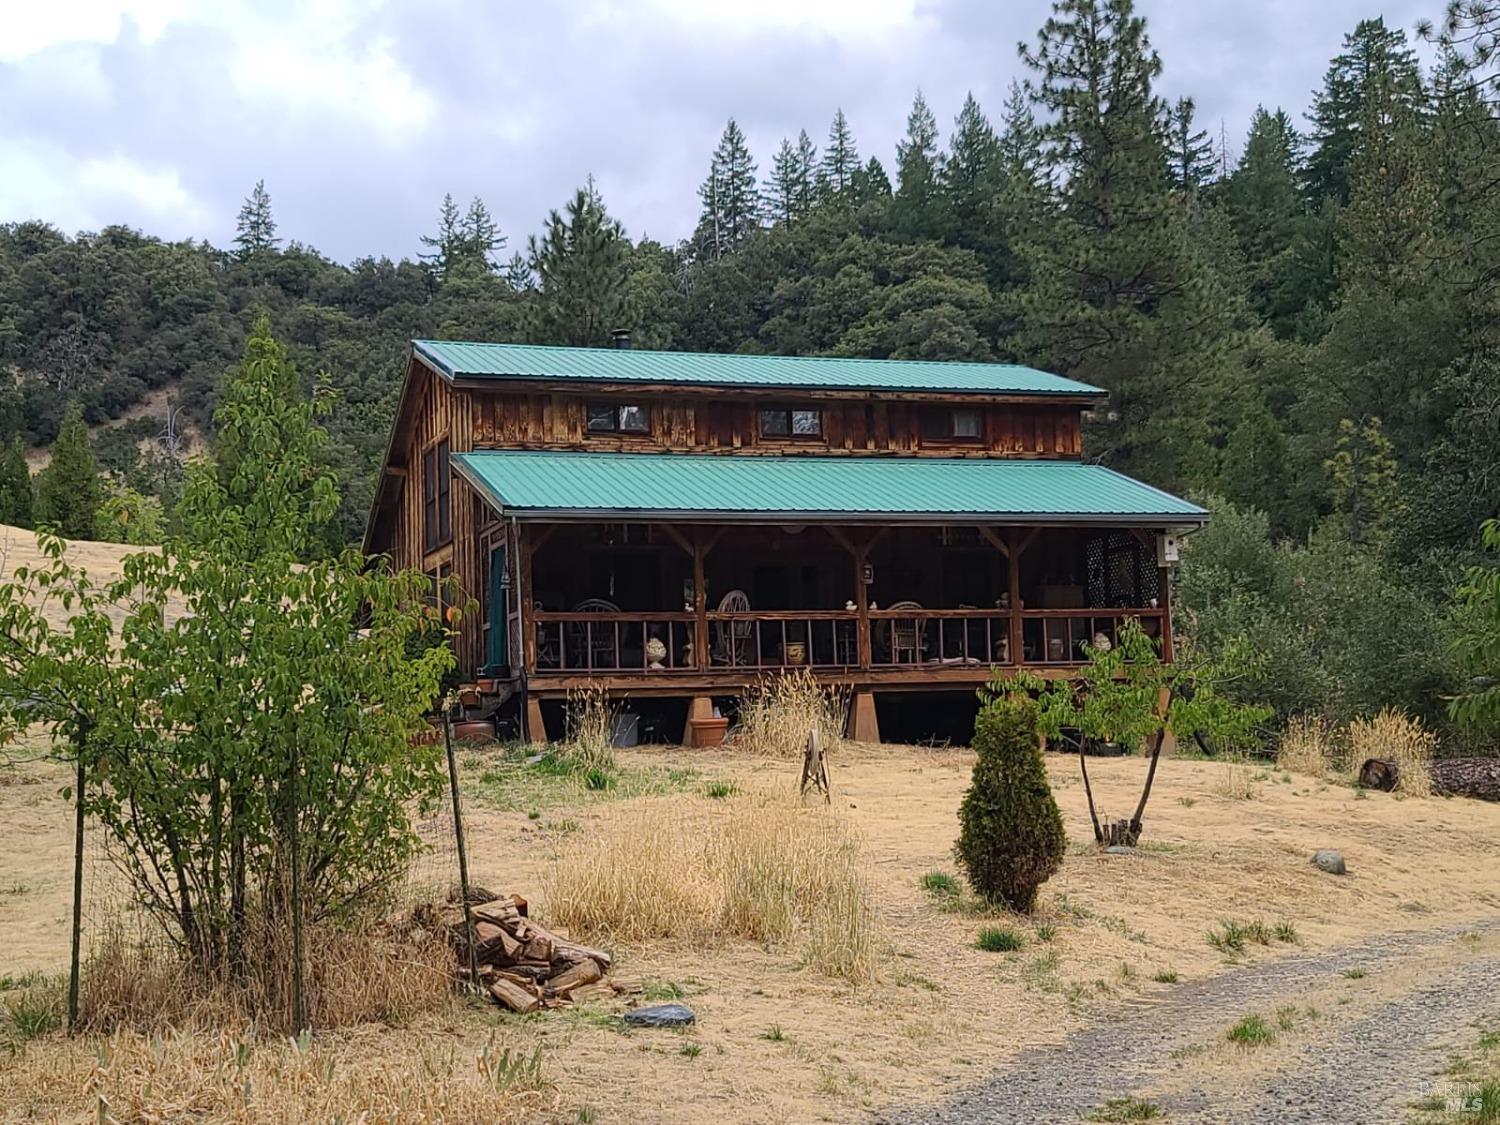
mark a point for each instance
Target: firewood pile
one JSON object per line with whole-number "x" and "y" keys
{"x": 525, "y": 966}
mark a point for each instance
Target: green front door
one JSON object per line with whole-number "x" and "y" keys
{"x": 498, "y": 657}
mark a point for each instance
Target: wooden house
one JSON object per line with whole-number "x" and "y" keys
{"x": 680, "y": 525}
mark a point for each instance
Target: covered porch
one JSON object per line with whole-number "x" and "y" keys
{"x": 695, "y": 576}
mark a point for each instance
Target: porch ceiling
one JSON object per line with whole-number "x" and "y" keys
{"x": 564, "y": 485}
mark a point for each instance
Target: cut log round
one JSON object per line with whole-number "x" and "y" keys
{"x": 499, "y": 911}
{"x": 1478, "y": 778}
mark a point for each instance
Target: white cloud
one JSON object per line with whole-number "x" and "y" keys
{"x": 33, "y": 27}
{"x": 44, "y": 183}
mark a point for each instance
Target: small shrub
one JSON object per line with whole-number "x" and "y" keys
{"x": 692, "y": 1050}
{"x": 940, "y": 883}
{"x": 1309, "y": 745}
{"x": 1252, "y": 1031}
{"x": 1229, "y": 937}
{"x": 1285, "y": 931}
{"x": 1124, "y": 1110}
{"x": 998, "y": 939}
{"x": 1011, "y": 837}
{"x": 774, "y": 1034}
{"x": 777, "y": 716}
{"x": 1401, "y": 739}
{"x": 1353, "y": 974}
{"x": 1165, "y": 976}
{"x": 718, "y": 790}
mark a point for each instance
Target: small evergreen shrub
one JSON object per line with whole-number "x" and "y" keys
{"x": 1011, "y": 838}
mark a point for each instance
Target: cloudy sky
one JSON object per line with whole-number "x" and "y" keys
{"x": 360, "y": 114}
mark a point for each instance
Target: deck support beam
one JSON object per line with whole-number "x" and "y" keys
{"x": 702, "y": 707}
{"x": 536, "y": 728}
{"x": 864, "y": 724}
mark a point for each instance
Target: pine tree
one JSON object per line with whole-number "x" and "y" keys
{"x": 731, "y": 200}
{"x": 1193, "y": 159}
{"x": 1022, "y": 161}
{"x": 1267, "y": 214}
{"x": 871, "y": 184}
{"x": 479, "y": 237}
{"x": 15, "y": 486}
{"x": 1376, "y": 60}
{"x": 780, "y": 194}
{"x": 1253, "y": 472}
{"x": 806, "y": 177}
{"x": 840, "y": 158}
{"x": 914, "y": 212}
{"x": 1364, "y": 481}
{"x": 444, "y": 246}
{"x": 68, "y": 492}
{"x": 1116, "y": 290}
{"x": 1011, "y": 837}
{"x": 971, "y": 181}
{"x": 518, "y": 273}
{"x": 255, "y": 229}
{"x": 582, "y": 264}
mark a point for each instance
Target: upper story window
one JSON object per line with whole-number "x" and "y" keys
{"x": 958, "y": 423}
{"x": 436, "y": 485}
{"x": 618, "y": 418}
{"x": 789, "y": 422}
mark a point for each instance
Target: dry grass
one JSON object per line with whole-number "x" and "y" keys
{"x": 590, "y": 742}
{"x": 370, "y": 973}
{"x": 1235, "y": 779}
{"x": 762, "y": 868}
{"x": 1310, "y": 745}
{"x": 778, "y": 715}
{"x": 1399, "y": 738}
{"x": 235, "y": 1076}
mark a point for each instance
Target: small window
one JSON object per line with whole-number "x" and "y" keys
{"x": 785, "y": 422}
{"x": 436, "y": 492}
{"x": 963, "y": 423}
{"x": 618, "y": 418}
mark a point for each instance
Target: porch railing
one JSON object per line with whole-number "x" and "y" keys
{"x": 823, "y": 639}
{"x": 784, "y": 639}
{"x": 1061, "y": 636}
{"x": 939, "y": 637}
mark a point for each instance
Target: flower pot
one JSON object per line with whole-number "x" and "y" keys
{"x": 794, "y": 653}
{"x": 708, "y": 732}
{"x": 474, "y": 730}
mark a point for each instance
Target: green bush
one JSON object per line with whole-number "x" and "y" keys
{"x": 1011, "y": 837}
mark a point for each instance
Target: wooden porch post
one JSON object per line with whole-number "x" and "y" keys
{"x": 862, "y": 604}
{"x": 700, "y": 604}
{"x": 525, "y": 548}
{"x": 1164, "y": 586}
{"x": 1018, "y": 545}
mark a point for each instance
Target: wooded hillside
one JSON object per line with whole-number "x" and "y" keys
{"x": 1297, "y": 317}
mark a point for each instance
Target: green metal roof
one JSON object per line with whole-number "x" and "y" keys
{"x": 458, "y": 360}
{"x": 527, "y": 482}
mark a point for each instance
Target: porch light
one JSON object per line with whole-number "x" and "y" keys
{"x": 867, "y": 574}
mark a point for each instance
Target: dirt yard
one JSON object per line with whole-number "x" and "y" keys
{"x": 775, "y": 1042}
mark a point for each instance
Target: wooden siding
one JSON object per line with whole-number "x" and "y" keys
{"x": 436, "y": 411}
{"x": 558, "y": 421}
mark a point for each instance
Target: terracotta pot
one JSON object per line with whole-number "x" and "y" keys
{"x": 794, "y": 652}
{"x": 709, "y": 732}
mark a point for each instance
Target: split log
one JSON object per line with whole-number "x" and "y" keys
{"x": 576, "y": 976}
{"x": 1478, "y": 778}
{"x": 627, "y": 986}
{"x": 494, "y": 946}
{"x": 535, "y": 971}
{"x": 589, "y": 993}
{"x": 515, "y": 996}
{"x": 565, "y": 950}
{"x": 499, "y": 912}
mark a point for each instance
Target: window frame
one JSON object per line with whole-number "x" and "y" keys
{"x": 437, "y": 495}
{"x": 790, "y": 415}
{"x": 617, "y": 410}
{"x": 947, "y": 430}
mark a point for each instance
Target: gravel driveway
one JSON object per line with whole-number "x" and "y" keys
{"x": 1365, "y": 1063}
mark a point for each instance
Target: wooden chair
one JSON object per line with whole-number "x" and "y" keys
{"x": 732, "y": 638}
{"x": 907, "y": 635}
{"x": 598, "y": 641}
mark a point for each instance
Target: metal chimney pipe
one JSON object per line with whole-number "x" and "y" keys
{"x": 620, "y": 338}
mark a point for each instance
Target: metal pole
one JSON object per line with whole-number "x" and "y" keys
{"x": 73, "y": 965}
{"x": 458, "y": 833}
